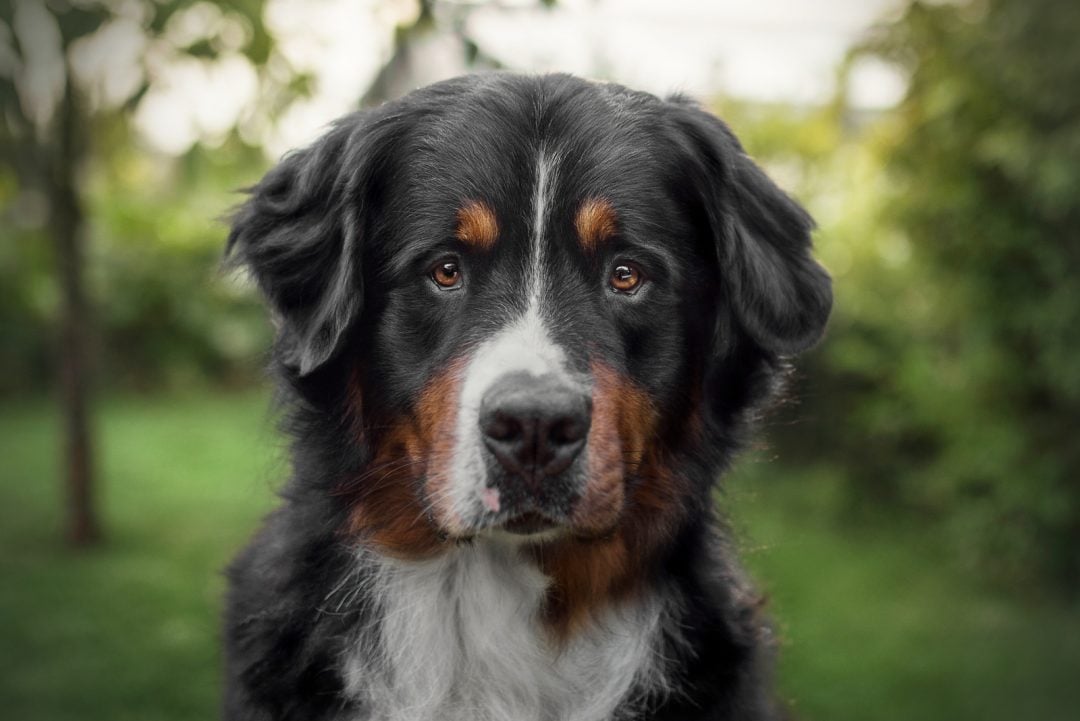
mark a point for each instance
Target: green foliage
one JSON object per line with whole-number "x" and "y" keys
{"x": 167, "y": 314}
{"x": 949, "y": 383}
{"x": 172, "y": 316}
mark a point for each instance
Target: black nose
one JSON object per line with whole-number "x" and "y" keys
{"x": 534, "y": 427}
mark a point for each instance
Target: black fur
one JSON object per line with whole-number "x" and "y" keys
{"x": 338, "y": 237}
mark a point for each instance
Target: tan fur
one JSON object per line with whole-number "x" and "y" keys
{"x": 387, "y": 512}
{"x": 477, "y": 225}
{"x": 595, "y": 223}
{"x": 591, "y": 571}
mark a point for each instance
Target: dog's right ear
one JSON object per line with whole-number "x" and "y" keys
{"x": 300, "y": 234}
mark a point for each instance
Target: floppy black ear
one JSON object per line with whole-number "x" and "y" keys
{"x": 299, "y": 233}
{"x": 780, "y": 294}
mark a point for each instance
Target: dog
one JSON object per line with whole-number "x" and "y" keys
{"x": 523, "y": 325}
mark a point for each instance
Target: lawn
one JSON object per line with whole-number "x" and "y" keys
{"x": 875, "y": 624}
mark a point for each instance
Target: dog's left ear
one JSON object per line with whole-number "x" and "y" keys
{"x": 300, "y": 233}
{"x": 781, "y": 296}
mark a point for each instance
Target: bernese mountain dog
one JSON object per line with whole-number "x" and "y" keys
{"x": 523, "y": 323}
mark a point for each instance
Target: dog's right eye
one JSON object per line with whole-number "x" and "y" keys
{"x": 447, "y": 275}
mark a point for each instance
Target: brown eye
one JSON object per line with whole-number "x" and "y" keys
{"x": 447, "y": 274}
{"x": 626, "y": 278}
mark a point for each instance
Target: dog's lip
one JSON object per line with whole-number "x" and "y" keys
{"x": 528, "y": 523}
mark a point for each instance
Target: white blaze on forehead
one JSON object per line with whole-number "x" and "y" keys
{"x": 545, "y": 176}
{"x": 524, "y": 346}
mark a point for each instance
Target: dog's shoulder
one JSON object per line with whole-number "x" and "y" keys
{"x": 283, "y": 648}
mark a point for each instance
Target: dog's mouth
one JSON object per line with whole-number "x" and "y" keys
{"x": 537, "y": 525}
{"x": 529, "y": 523}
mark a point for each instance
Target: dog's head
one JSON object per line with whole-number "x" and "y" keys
{"x": 524, "y": 298}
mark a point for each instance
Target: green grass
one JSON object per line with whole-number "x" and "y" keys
{"x": 876, "y": 624}
{"x": 128, "y": 630}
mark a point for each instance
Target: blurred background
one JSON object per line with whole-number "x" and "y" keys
{"x": 913, "y": 509}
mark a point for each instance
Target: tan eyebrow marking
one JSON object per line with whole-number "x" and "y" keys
{"x": 595, "y": 223}
{"x": 476, "y": 225}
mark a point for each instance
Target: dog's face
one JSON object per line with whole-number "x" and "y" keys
{"x": 528, "y": 295}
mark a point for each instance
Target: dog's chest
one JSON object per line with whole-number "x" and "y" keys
{"x": 459, "y": 639}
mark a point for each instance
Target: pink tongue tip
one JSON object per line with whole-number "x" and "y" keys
{"x": 490, "y": 498}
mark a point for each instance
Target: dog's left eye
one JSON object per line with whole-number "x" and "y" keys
{"x": 626, "y": 277}
{"x": 447, "y": 275}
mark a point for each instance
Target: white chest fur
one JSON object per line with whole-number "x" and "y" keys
{"x": 461, "y": 640}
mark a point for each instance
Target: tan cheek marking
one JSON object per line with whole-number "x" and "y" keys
{"x": 602, "y": 501}
{"x": 595, "y": 223}
{"x": 437, "y": 416}
{"x": 588, "y": 574}
{"x": 387, "y": 508}
{"x": 623, "y": 424}
{"x": 386, "y": 511}
{"x": 477, "y": 225}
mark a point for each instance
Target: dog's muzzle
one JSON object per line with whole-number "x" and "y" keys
{"x": 534, "y": 429}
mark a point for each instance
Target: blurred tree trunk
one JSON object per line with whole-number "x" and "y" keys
{"x": 45, "y": 145}
{"x": 45, "y": 135}
{"x": 66, "y": 229}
